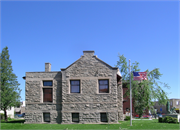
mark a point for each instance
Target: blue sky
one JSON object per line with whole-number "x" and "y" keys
{"x": 59, "y": 31}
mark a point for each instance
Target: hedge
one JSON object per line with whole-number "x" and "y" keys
{"x": 127, "y": 118}
{"x": 167, "y": 119}
{"x": 2, "y": 116}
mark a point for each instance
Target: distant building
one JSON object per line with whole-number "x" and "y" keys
{"x": 126, "y": 102}
{"x": 173, "y": 103}
{"x": 20, "y": 109}
{"x": 10, "y": 112}
{"x": 161, "y": 109}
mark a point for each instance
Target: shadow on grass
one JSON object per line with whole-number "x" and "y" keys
{"x": 14, "y": 121}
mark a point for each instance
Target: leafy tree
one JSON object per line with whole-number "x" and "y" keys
{"x": 10, "y": 93}
{"x": 145, "y": 92}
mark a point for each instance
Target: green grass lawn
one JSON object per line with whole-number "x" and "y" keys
{"x": 137, "y": 124}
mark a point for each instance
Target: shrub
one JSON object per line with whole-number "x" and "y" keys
{"x": 2, "y": 116}
{"x": 127, "y": 118}
{"x": 169, "y": 119}
{"x": 175, "y": 120}
{"x": 9, "y": 118}
{"x": 161, "y": 120}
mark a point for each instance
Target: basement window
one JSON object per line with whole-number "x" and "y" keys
{"x": 46, "y": 117}
{"x": 75, "y": 117}
{"x": 103, "y": 117}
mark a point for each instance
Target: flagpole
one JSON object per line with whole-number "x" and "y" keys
{"x": 130, "y": 93}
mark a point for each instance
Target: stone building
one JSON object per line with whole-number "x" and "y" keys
{"x": 87, "y": 91}
{"x": 174, "y": 102}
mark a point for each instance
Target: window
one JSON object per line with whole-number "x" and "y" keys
{"x": 47, "y": 94}
{"x": 75, "y": 86}
{"x": 47, "y": 83}
{"x": 46, "y": 117}
{"x": 75, "y": 117}
{"x": 177, "y": 103}
{"x": 103, "y": 117}
{"x": 104, "y": 86}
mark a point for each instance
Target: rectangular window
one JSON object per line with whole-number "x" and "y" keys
{"x": 75, "y": 86}
{"x": 75, "y": 117}
{"x": 47, "y": 83}
{"x": 47, "y": 94}
{"x": 46, "y": 117}
{"x": 177, "y": 103}
{"x": 104, "y": 86}
{"x": 103, "y": 117}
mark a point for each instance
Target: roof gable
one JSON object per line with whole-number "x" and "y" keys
{"x": 88, "y": 57}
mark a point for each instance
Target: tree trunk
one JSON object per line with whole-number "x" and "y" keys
{"x": 5, "y": 115}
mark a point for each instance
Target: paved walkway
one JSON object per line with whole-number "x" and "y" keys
{"x": 142, "y": 119}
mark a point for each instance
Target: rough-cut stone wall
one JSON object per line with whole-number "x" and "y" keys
{"x": 90, "y": 106}
{"x": 89, "y": 67}
{"x": 120, "y": 102}
{"x": 35, "y": 107}
{"x": 37, "y": 117}
{"x": 89, "y": 103}
{"x": 33, "y": 91}
{"x": 89, "y": 117}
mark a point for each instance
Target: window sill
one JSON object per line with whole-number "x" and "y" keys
{"x": 47, "y": 87}
{"x": 74, "y": 93}
{"x": 46, "y": 122}
{"x": 103, "y": 93}
{"x": 47, "y": 103}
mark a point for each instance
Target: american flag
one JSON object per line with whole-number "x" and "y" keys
{"x": 140, "y": 76}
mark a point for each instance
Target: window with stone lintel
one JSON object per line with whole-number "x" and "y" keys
{"x": 75, "y": 86}
{"x": 104, "y": 86}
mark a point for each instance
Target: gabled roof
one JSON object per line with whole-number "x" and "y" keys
{"x": 95, "y": 58}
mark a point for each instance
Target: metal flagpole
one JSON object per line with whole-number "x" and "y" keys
{"x": 130, "y": 93}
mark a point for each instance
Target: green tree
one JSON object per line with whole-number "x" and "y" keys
{"x": 145, "y": 92}
{"x": 10, "y": 92}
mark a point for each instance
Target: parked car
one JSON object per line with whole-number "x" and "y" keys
{"x": 21, "y": 115}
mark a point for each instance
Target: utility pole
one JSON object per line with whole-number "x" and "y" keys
{"x": 130, "y": 93}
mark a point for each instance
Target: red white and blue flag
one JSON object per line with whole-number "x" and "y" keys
{"x": 140, "y": 76}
